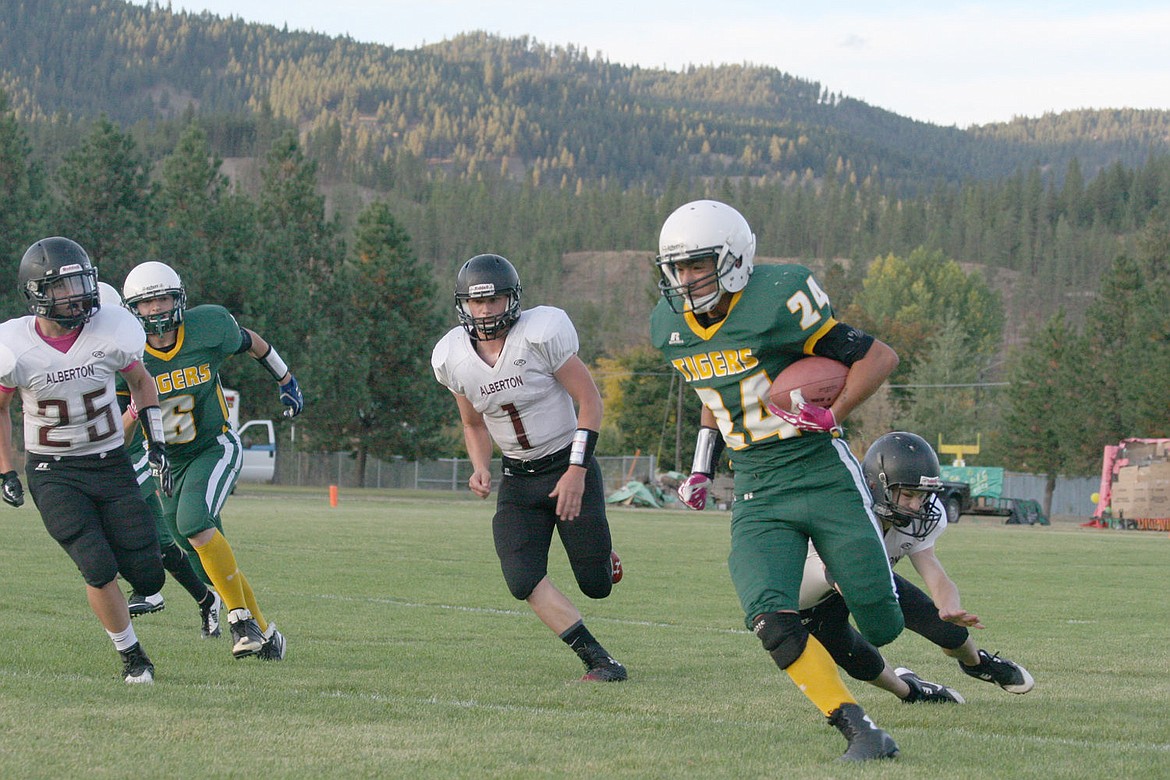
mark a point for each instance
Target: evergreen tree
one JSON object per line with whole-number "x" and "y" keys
{"x": 21, "y": 191}
{"x": 942, "y": 390}
{"x": 207, "y": 234}
{"x": 372, "y": 368}
{"x": 107, "y": 200}
{"x": 1048, "y": 427}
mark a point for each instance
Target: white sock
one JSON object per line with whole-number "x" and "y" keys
{"x": 124, "y": 640}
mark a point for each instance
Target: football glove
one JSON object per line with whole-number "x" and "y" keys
{"x": 290, "y": 396}
{"x": 809, "y": 418}
{"x": 13, "y": 490}
{"x": 694, "y": 489}
{"x": 160, "y": 466}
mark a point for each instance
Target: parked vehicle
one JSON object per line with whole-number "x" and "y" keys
{"x": 958, "y": 501}
{"x": 259, "y": 440}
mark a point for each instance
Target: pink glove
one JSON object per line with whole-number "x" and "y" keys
{"x": 809, "y": 418}
{"x": 693, "y": 490}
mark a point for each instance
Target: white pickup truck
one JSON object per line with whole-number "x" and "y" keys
{"x": 259, "y": 439}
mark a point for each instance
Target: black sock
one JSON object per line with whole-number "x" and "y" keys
{"x": 582, "y": 642}
{"x": 577, "y": 635}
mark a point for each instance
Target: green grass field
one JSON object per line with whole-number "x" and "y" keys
{"x": 408, "y": 658}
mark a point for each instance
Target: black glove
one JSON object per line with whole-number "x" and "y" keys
{"x": 160, "y": 466}
{"x": 13, "y": 490}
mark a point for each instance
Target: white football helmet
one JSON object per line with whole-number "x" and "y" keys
{"x": 698, "y": 230}
{"x": 153, "y": 279}
{"x": 109, "y": 295}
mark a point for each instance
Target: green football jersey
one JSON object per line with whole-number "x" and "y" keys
{"x": 775, "y": 320}
{"x": 194, "y": 409}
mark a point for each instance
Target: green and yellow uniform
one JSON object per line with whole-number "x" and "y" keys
{"x": 205, "y": 452}
{"x": 790, "y": 486}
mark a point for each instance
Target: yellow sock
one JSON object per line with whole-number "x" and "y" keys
{"x": 816, "y": 675}
{"x": 250, "y": 600}
{"x": 220, "y": 564}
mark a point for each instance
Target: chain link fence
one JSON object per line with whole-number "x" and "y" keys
{"x": 451, "y": 474}
{"x": 340, "y": 468}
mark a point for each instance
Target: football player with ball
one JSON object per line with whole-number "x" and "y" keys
{"x": 730, "y": 328}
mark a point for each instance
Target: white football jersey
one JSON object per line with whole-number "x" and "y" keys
{"x": 529, "y": 414}
{"x": 815, "y": 586}
{"x": 68, "y": 397}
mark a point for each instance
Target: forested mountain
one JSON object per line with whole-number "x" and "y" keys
{"x": 480, "y": 102}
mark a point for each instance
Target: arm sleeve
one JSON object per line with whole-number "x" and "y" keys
{"x": 844, "y": 343}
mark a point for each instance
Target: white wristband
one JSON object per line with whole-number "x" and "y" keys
{"x": 273, "y": 363}
{"x": 152, "y": 426}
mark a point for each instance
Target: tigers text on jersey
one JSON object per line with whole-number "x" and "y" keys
{"x": 815, "y": 586}
{"x": 528, "y": 413}
{"x": 68, "y": 397}
{"x": 774, "y": 321}
{"x": 194, "y": 410}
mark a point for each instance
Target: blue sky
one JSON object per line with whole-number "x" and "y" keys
{"x": 951, "y": 63}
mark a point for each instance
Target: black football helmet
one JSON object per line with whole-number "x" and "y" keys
{"x": 486, "y": 276}
{"x": 903, "y": 461}
{"x": 60, "y": 282}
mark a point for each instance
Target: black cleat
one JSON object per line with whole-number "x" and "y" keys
{"x": 247, "y": 639}
{"x": 209, "y": 616}
{"x": 144, "y": 605}
{"x": 921, "y": 690}
{"x": 601, "y": 666}
{"x": 1008, "y": 675}
{"x": 866, "y": 741}
{"x": 274, "y": 645}
{"x": 136, "y": 667}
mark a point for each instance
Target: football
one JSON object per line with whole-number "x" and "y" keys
{"x": 818, "y": 379}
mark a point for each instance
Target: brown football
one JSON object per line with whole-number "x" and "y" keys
{"x": 818, "y": 379}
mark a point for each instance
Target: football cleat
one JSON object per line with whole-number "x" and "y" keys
{"x": 1008, "y": 675}
{"x": 136, "y": 667}
{"x": 274, "y": 645}
{"x": 247, "y": 638}
{"x": 209, "y": 616}
{"x": 615, "y": 568}
{"x": 144, "y": 605}
{"x": 921, "y": 690}
{"x": 607, "y": 670}
{"x": 601, "y": 666}
{"x": 866, "y": 741}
